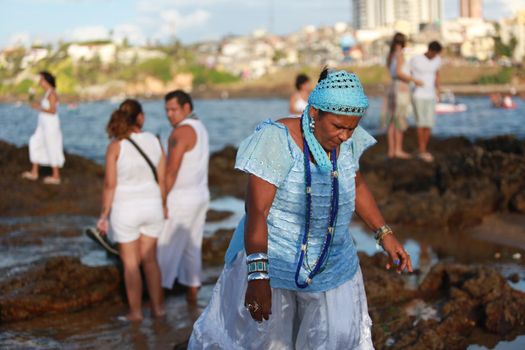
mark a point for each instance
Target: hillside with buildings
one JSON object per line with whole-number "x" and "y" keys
{"x": 487, "y": 52}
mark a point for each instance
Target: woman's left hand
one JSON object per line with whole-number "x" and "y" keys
{"x": 398, "y": 255}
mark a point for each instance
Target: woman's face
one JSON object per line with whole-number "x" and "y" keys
{"x": 140, "y": 120}
{"x": 43, "y": 83}
{"x": 306, "y": 86}
{"x": 333, "y": 129}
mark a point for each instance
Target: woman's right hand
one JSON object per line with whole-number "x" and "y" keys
{"x": 418, "y": 82}
{"x": 258, "y": 299}
{"x": 102, "y": 225}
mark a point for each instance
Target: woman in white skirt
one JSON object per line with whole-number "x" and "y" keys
{"x": 292, "y": 278}
{"x": 134, "y": 194}
{"x": 45, "y": 145}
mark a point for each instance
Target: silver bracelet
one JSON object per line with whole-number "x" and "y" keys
{"x": 258, "y": 276}
{"x": 256, "y": 256}
{"x": 258, "y": 266}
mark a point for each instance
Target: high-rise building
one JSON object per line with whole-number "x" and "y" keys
{"x": 430, "y": 11}
{"x": 471, "y": 8}
{"x": 370, "y": 14}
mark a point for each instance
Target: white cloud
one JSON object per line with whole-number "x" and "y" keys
{"x": 172, "y": 22}
{"x": 129, "y": 31}
{"x": 162, "y": 19}
{"x": 498, "y": 9}
{"x": 19, "y": 39}
{"x": 87, "y": 33}
{"x": 148, "y": 6}
{"x": 510, "y": 6}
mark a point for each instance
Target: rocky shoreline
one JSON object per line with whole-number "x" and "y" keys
{"x": 439, "y": 202}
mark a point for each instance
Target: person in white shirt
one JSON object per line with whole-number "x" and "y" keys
{"x": 299, "y": 99}
{"x": 426, "y": 69}
{"x": 180, "y": 242}
{"x": 134, "y": 194}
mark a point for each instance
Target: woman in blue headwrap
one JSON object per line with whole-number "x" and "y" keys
{"x": 292, "y": 266}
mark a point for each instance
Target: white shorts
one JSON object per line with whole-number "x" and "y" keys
{"x": 131, "y": 219}
{"x": 424, "y": 112}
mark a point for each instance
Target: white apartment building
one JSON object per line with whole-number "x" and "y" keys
{"x": 372, "y": 14}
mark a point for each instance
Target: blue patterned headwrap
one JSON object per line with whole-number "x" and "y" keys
{"x": 339, "y": 93}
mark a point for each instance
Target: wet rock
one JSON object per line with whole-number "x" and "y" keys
{"x": 504, "y": 143}
{"x": 79, "y": 192}
{"x": 381, "y": 284}
{"x": 517, "y": 203}
{"x": 451, "y": 302}
{"x": 223, "y": 179}
{"x": 214, "y": 247}
{"x": 57, "y": 285}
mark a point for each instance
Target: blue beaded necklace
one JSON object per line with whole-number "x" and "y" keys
{"x": 334, "y": 206}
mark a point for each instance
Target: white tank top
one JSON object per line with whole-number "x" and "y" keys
{"x": 45, "y": 104}
{"x": 300, "y": 104}
{"x": 135, "y": 180}
{"x": 192, "y": 178}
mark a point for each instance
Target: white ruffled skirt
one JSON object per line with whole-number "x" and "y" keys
{"x": 335, "y": 319}
{"x": 45, "y": 145}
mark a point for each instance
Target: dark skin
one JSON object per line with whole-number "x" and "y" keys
{"x": 330, "y": 130}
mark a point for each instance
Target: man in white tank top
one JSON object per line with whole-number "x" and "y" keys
{"x": 179, "y": 246}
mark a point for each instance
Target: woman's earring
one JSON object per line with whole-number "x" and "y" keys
{"x": 312, "y": 124}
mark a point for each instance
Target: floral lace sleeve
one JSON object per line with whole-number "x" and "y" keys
{"x": 266, "y": 153}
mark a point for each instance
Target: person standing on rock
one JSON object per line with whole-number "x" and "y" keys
{"x": 45, "y": 145}
{"x": 180, "y": 243}
{"x": 299, "y": 98}
{"x": 426, "y": 69}
{"x": 292, "y": 278}
{"x": 398, "y": 99}
{"x": 134, "y": 194}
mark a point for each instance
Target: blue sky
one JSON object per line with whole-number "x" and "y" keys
{"x": 188, "y": 20}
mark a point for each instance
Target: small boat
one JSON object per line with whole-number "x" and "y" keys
{"x": 445, "y": 108}
{"x": 447, "y": 104}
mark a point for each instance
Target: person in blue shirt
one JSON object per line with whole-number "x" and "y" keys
{"x": 292, "y": 266}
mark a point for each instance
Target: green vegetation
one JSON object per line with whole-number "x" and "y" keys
{"x": 504, "y": 76}
{"x": 73, "y": 76}
{"x": 204, "y": 76}
{"x": 159, "y": 68}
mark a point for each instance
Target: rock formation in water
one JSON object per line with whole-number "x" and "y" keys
{"x": 56, "y": 285}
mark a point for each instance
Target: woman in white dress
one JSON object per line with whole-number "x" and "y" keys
{"x": 45, "y": 145}
{"x": 134, "y": 194}
{"x": 299, "y": 99}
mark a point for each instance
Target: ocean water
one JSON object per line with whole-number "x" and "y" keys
{"x": 230, "y": 121}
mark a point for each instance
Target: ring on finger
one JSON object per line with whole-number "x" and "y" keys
{"x": 253, "y": 307}
{"x": 256, "y": 306}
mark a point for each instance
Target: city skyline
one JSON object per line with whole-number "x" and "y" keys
{"x": 44, "y": 21}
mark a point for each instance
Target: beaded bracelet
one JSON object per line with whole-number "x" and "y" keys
{"x": 381, "y": 233}
{"x": 258, "y": 266}
{"x": 256, "y": 256}
{"x": 258, "y": 276}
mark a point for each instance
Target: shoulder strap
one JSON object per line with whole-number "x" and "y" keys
{"x": 150, "y": 163}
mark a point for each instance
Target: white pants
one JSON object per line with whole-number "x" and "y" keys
{"x": 180, "y": 243}
{"x": 331, "y": 320}
{"x": 45, "y": 145}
